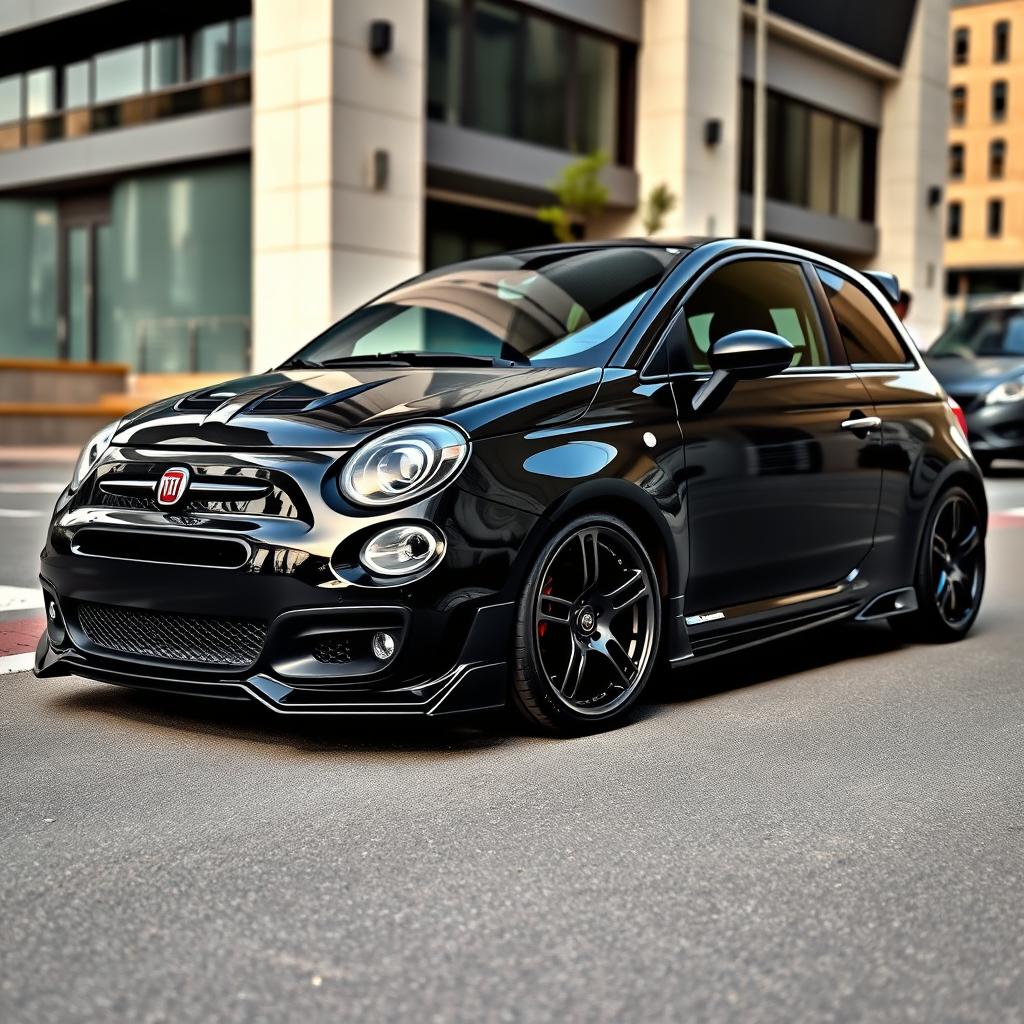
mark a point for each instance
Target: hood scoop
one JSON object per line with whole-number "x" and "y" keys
{"x": 206, "y": 401}
{"x": 300, "y": 397}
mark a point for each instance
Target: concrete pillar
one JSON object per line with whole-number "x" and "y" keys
{"x": 911, "y": 159}
{"x": 689, "y": 73}
{"x": 326, "y": 236}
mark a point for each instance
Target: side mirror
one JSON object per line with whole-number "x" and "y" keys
{"x": 743, "y": 355}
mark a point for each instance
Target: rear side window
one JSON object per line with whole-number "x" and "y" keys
{"x": 761, "y": 295}
{"x": 866, "y": 335}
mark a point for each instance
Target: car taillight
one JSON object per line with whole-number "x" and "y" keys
{"x": 958, "y": 413}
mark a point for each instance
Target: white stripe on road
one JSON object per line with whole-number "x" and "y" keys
{"x": 15, "y": 599}
{"x": 1015, "y": 512}
{"x": 17, "y": 663}
{"x": 31, "y": 488}
{"x": 20, "y": 513}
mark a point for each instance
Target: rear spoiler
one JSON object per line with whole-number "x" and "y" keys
{"x": 888, "y": 283}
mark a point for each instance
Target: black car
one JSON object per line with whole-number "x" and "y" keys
{"x": 980, "y": 361}
{"x": 530, "y": 479}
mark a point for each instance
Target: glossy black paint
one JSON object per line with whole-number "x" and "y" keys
{"x": 762, "y": 517}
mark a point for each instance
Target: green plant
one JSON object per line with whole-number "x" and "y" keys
{"x": 580, "y": 195}
{"x": 659, "y": 201}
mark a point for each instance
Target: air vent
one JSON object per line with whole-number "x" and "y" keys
{"x": 291, "y": 398}
{"x": 205, "y": 401}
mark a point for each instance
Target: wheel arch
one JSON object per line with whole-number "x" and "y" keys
{"x": 634, "y": 507}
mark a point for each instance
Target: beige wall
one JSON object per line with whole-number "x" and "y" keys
{"x": 974, "y": 249}
{"x": 324, "y": 240}
{"x": 911, "y": 159}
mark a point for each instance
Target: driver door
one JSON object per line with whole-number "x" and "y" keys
{"x": 781, "y": 498}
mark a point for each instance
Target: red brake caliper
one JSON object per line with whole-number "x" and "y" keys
{"x": 542, "y": 627}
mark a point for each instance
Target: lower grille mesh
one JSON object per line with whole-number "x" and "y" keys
{"x": 172, "y": 637}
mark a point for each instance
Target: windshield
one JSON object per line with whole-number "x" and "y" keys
{"x": 984, "y": 332}
{"x": 559, "y": 307}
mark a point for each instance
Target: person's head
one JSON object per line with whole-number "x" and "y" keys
{"x": 902, "y": 304}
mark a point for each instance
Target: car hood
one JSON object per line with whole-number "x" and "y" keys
{"x": 338, "y": 408}
{"x": 973, "y": 377}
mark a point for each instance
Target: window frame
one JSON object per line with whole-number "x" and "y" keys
{"x": 624, "y": 139}
{"x": 677, "y": 304}
{"x": 957, "y": 161}
{"x": 961, "y": 45}
{"x": 1001, "y": 41}
{"x": 886, "y": 313}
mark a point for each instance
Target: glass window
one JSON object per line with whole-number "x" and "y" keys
{"x": 999, "y": 90}
{"x": 1001, "y": 42}
{"x": 958, "y": 104}
{"x": 997, "y": 158}
{"x": 496, "y": 31}
{"x": 867, "y": 336}
{"x": 545, "y": 84}
{"x": 243, "y": 45}
{"x": 757, "y": 295}
{"x": 961, "y": 45}
{"x": 120, "y": 73}
{"x": 40, "y": 92}
{"x": 444, "y": 64}
{"x": 28, "y": 284}
{"x": 76, "y": 85}
{"x": 850, "y": 169}
{"x": 954, "y": 217}
{"x": 597, "y": 78}
{"x": 956, "y": 161}
{"x": 821, "y": 157}
{"x": 994, "y": 218}
{"x": 565, "y": 309}
{"x": 164, "y": 62}
{"x": 211, "y": 51}
{"x": 989, "y": 332}
{"x": 10, "y": 98}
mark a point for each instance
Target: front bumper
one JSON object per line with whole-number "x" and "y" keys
{"x": 997, "y": 431}
{"x": 272, "y": 569}
{"x": 475, "y": 683}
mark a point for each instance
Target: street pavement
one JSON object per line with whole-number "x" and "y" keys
{"x": 827, "y": 829}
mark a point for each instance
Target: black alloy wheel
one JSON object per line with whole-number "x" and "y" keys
{"x": 588, "y": 627}
{"x": 950, "y": 573}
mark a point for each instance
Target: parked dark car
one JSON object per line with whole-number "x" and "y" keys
{"x": 527, "y": 478}
{"x": 980, "y": 362}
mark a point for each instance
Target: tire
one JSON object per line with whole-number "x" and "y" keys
{"x": 949, "y": 578}
{"x": 587, "y": 628}
{"x": 984, "y": 463}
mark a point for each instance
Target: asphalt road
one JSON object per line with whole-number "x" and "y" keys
{"x": 831, "y": 829}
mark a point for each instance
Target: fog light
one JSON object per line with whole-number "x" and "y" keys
{"x": 383, "y": 646}
{"x": 402, "y": 550}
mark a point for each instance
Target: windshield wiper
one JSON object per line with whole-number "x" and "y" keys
{"x": 404, "y": 359}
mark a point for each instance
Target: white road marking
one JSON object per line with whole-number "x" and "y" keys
{"x": 1015, "y": 512}
{"x": 17, "y": 663}
{"x": 20, "y": 513}
{"x": 32, "y": 488}
{"x": 15, "y": 599}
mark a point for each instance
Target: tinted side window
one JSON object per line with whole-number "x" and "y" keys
{"x": 757, "y": 295}
{"x": 867, "y": 336}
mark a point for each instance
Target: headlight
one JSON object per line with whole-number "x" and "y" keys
{"x": 403, "y": 464}
{"x": 92, "y": 453}
{"x": 1008, "y": 391}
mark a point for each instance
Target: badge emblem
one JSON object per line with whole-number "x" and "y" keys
{"x": 171, "y": 487}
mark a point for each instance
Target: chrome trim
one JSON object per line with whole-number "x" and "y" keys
{"x": 862, "y": 423}
{"x": 903, "y": 599}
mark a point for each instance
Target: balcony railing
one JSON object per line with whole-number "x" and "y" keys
{"x": 187, "y": 98}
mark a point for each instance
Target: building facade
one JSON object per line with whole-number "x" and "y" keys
{"x": 200, "y": 187}
{"x": 985, "y": 212}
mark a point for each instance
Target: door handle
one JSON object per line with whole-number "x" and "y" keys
{"x": 861, "y": 424}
